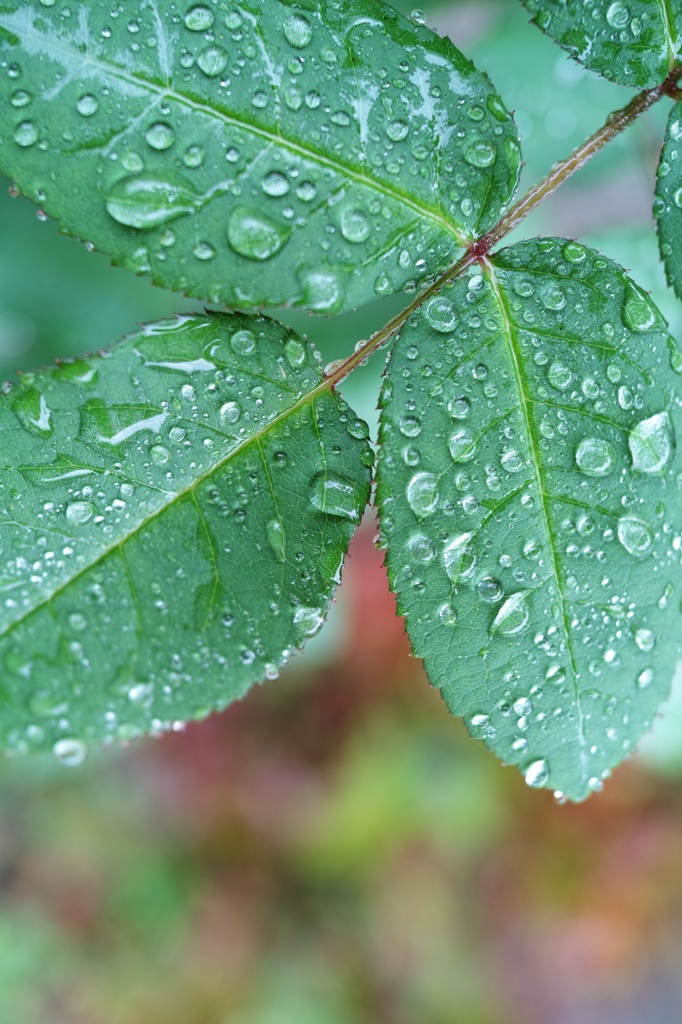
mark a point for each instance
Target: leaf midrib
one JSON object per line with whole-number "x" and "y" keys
{"x": 524, "y": 401}
{"x": 272, "y": 138}
{"x": 307, "y": 397}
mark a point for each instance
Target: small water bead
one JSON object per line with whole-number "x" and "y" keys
{"x": 440, "y": 315}
{"x": 71, "y": 752}
{"x": 20, "y": 98}
{"x": 480, "y": 153}
{"x": 645, "y": 678}
{"x": 512, "y": 462}
{"x": 618, "y": 15}
{"x": 306, "y": 191}
{"x": 418, "y": 16}
{"x": 635, "y": 535}
{"x": 243, "y": 342}
{"x": 298, "y": 31}
{"x": 188, "y": 392}
{"x": 410, "y": 426}
{"x": 595, "y": 457}
{"x": 574, "y": 253}
{"x": 490, "y": 589}
{"x": 645, "y": 639}
{"x": 651, "y": 443}
{"x": 309, "y": 620}
{"x": 160, "y": 136}
{"x": 513, "y": 616}
{"x": 79, "y": 512}
{"x": 638, "y": 313}
{"x": 159, "y": 454}
{"x": 253, "y": 235}
{"x": 25, "y": 134}
{"x": 212, "y": 61}
{"x": 459, "y": 558}
{"x": 276, "y": 184}
{"x": 199, "y": 18}
{"x": 626, "y": 398}
{"x": 193, "y": 156}
{"x": 447, "y": 614}
{"x": 397, "y": 130}
{"x": 556, "y": 675}
{"x": 458, "y": 407}
{"x": 355, "y": 226}
{"x": 420, "y": 548}
{"x": 536, "y": 774}
{"x": 87, "y": 105}
{"x": 295, "y": 352}
{"x": 230, "y": 412}
{"x": 462, "y": 446}
{"x": 422, "y": 494}
{"x": 334, "y": 495}
{"x": 204, "y": 251}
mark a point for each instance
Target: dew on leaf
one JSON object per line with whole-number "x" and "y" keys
{"x": 638, "y": 312}
{"x": 79, "y": 512}
{"x": 355, "y": 227}
{"x": 334, "y": 495}
{"x": 422, "y": 494}
{"x": 160, "y": 136}
{"x": 230, "y": 412}
{"x": 148, "y": 200}
{"x": 440, "y": 314}
{"x": 459, "y": 558}
{"x": 212, "y": 61}
{"x": 462, "y": 446}
{"x": 480, "y": 153}
{"x": 253, "y": 235}
{"x": 651, "y": 443}
{"x": 87, "y": 105}
{"x": 25, "y": 134}
{"x": 199, "y": 18}
{"x": 309, "y": 620}
{"x": 594, "y": 456}
{"x": 71, "y": 752}
{"x": 635, "y": 535}
{"x": 298, "y": 31}
{"x": 275, "y": 535}
{"x": 276, "y": 184}
{"x": 536, "y": 774}
{"x": 513, "y": 616}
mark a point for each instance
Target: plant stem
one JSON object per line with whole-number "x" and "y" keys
{"x": 616, "y": 123}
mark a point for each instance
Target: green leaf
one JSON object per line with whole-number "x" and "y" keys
{"x": 174, "y": 516}
{"x": 632, "y": 42}
{"x": 315, "y": 156}
{"x": 668, "y": 202}
{"x": 529, "y": 500}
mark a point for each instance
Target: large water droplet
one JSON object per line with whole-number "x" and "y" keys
{"x": 355, "y": 226}
{"x": 145, "y": 201}
{"x": 462, "y": 446}
{"x": 276, "y": 184}
{"x": 440, "y": 314}
{"x": 595, "y": 457}
{"x": 79, "y": 512}
{"x": 638, "y": 312}
{"x": 422, "y": 494}
{"x": 480, "y": 153}
{"x": 160, "y": 136}
{"x": 537, "y": 774}
{"x": 559, "y": 375}
{"x": 212, "y": 61}
{"x": 513, "y": 616}
{"x": 253, "y": 235}
{"x": 459, "y": 558}
{"x": 334, "y": 496}
{"x": 651, "y": 443}
{"x": 25, "y": 134}
{"x": 275, "y": 534}
{"x": 298, "y": 31}
{"x": 70, "y": 752}
{"x": 635, "y": 535}
{"x": 309, "y": 620}
{"x": 87, "y": 105}
{"x": 199, "y": 18}
{"x": 618, "y": 15}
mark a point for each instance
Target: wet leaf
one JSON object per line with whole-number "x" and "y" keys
{"x": 632, "y": 42}
{"x": 668, "y": 202}
{"x": 528, "y": 489}
{"x": 316, "y": 156}
{"x": 174, "y": 516}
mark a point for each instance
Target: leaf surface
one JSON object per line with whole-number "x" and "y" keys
{"x": 315, "y": 155}
{"x": 632, "y": 42}
{"x": 668, "y": 202}
{"x": 529, "y": 503}
{"x": 174, "y": 515}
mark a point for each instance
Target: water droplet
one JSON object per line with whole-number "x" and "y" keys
{"x": 638, "y": 313}
{"x": 459, "y": 558}
{"x": 595, "y": 457}
{"x": 148, "y": 200}
{"x": 298, "y": 31}
{"x": 462, "y": 446}
{"x": 253, "y": 235}
{"x": 645, "y": 639}
{"x": 87, "y": 105}
{"x": 513, "y": 616}
{"x": 512, "y": 461}
{"x": 559, "y": 375}
{"x": 193, "y": 156}
{"x": 618, "y": 15}
{"x": 480, "y": 153}
{"x": 306, "y": 191}
{"x": 440, "y": 314}
{"x": 204, "y": 251}
{"x": 160, "y": 136}
{"x": 20, "y": 98}
{"x": 25, "y": 134}
{"x": 636, "y": 536}
{"x": 490, "y": 589}
{"x": 397, "y": 130}
{"x": 230, "y": 412}
{"x": 70, "y": 752}
{"x": 276, "y": 184}
{"x": 294, "y": 350}
{"x": 275, "y": 534}
{"x": 536, "y": 774}
{"x": 574, "y": 253}
{"x": 645, "y": 678}
{"x": 33, "y": 412}
{"x": 422, "y": 494}
{"x": 355, "y": 226}
{"x": 335, "y": 496}
{"x": 309, "y": 620}
{"x": 243, "y": 342}
{"x": 651, "y": 443}
{"x": 79, "y": 512}
{"x": 212, "y": 61}
{"x": 199, "y": 19}
{"x": 159, "y": 454}
{"x": 418, "y": 16}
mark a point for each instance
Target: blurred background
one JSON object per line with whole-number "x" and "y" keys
{"x": 335, "y": 849}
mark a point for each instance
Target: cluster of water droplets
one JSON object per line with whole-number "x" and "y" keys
{"x": 160, "y": 560}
